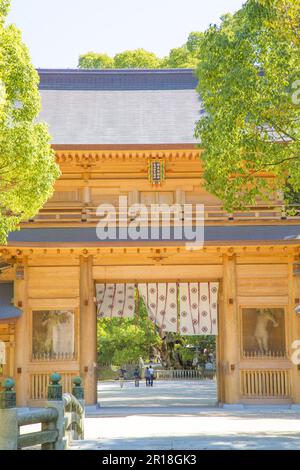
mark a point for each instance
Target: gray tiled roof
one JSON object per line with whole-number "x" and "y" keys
{"x": 7, "y": 310}
{"x": 120, "y": 106}
{"x": 212, "y": 234}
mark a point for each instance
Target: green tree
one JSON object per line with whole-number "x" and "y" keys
{"x": 27, "y": 163}
{"x": 136, "y": 59}
{"x": 185, "y": 56}
{"x": 93, "y": 60}
{"x": 123, "y": 340}
{"x": 193, "y": 43}
{"x": 249, "y": 83}
{"x": 179, "y": 57}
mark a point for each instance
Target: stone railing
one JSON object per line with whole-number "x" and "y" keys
{"x": 62, "y": 420}
{"x": 184, "y": 374}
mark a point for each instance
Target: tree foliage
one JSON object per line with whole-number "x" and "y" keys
{"x": 27, "y": 163}
{"x": 136, "y": 59}
{"x": 179, "y": 57}
{"x": 249, "y": 81}
{"x": 92, "y": 60}
{"x": 185, "y": 56}
{"x": 123, "y": 340}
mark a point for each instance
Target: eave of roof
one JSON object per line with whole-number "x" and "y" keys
{"x": 246, "y": 234}
{"x": 7, "y": 310}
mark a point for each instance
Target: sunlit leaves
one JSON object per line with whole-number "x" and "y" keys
{"x": 185, "y": 56}
{"x": 247, "y": 73}
{"x": 92, "y": 60}
{"x": 123, "y": 340}
{"x": 27, "y": 164}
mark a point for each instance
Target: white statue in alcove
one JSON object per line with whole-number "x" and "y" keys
{"x": 2, "y": 353}
{"x": 261, "y": 333}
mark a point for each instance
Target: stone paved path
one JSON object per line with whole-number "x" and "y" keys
{"x": 148, "y": 424}
{"x": 163, "y": 393}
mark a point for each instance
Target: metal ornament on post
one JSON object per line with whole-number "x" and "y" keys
{"x": 78, "y": 389}
{"x": 55, "y": 388}
{"x": 8, "y": 396}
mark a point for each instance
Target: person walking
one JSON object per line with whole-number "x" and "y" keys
{"x": 151, "y": 375}
{"x": 137, "y": 377}
{"x": 147, "y": 376}
{"x": 122, "y": 377}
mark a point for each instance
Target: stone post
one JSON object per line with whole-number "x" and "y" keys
{"x": 55, "y": 388}
{"x": 8, "y": 417}
{"x": 78, "y": 392}
{"x": 78, "y": 389}
{"x": 55, "y": 401}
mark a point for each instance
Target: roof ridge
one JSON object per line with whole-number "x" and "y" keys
{"x": 115, "y": 71}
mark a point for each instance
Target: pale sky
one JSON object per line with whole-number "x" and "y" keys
{"x": 58, "y": 31}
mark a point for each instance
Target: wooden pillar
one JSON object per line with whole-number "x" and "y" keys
{"x": 133, "y": 197}
{"x": 86, "y": 197}
{"x": 22, "y": 338}
{"x": 230, "y": 333}
{"x": 293, "y": 330}
{"x": 11, "y": 349}
{"x": 88, "y": 331}
{"x": 220, "y": 350}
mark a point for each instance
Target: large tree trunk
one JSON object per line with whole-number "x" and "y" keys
{"x": 169, "y": 356}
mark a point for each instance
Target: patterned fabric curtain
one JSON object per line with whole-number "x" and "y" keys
{"x": 161, "y": 302}
{"x": 198, "y": 305}
{"x": 199, "y": 308}
{"x": 115, "y": 300}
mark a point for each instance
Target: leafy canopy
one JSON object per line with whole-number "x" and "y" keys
{"x": 124, "y": 341}
{"x": 186, "y": 56}
{"x": 27, "y": 164}
{"x": 92, "y": 60}
{"x": 249, "y": 81}
{"x": 180, "y": 57}
{"x": 137, "y": 59}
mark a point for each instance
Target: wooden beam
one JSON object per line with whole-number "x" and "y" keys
{"x": 157, "y": 274}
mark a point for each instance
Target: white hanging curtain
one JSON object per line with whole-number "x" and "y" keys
{"x": 199, "y": 308}
{"x": 161, "y": 302}
{"x": 115, "y": 300}
{"x": 198, "y": 305}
